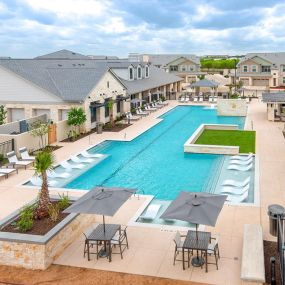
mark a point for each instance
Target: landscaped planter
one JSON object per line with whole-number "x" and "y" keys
{"x": 39, "y": 251}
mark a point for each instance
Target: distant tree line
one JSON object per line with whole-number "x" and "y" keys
{"x": 218, "y": 63}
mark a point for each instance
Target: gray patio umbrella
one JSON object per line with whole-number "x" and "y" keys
{"x": 196, "y": 208}
{"x": 101, "y": 201}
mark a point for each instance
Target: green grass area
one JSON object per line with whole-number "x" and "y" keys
{"x": 244, "y": 139}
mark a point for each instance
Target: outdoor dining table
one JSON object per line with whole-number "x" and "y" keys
{"x": 191, "y": 243}
{"x": 103, "y": 233}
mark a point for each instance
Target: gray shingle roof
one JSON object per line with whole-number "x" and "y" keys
{"x": 62, "y": 54}
{"x": 205, "y": 83}
{"x": 278, "y": 97}
{"x": 164, "y": 59}
{"x": 276, "y": 58}
{"x": 71, "y": 80}
{"x": 157, "y": 78}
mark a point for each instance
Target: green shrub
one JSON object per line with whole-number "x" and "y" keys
{"x": 64, "y": 201}
{"x": 53, "y": 212}
{"x": 26, "y": 221}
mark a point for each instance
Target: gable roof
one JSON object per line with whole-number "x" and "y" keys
{"x": 157, "y": 78}
{"x": 70, "y": 80}
{"x": 164, "y": 59}
{"x": 62, "y": 54}
{"x": 274, "y": 58}
{"x": 278, "y": 97}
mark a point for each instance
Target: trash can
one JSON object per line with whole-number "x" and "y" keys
{"x": 273, "y": 212}
{"x": 99, "y": 128}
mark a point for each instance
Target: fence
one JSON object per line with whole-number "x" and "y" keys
{"x": 281, "y": 247}
{"x": 7, "y": 146}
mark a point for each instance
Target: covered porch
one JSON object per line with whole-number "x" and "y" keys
{"x": 275, "y": 105}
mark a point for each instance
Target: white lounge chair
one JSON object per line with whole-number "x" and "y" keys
{"x": 235, "y": 183}
{"x": 7, "y": 171}
{"x": 240, "y": 162}
{"x": 187, "y": 99}
{"x": 53, "y": 174}
{"x": 241, "y": 157}
{"x": 37, "y": 181}
{"x": 15, "y": 161}
{"x": 201, "y": 99}
{"x": 148, "y": 108}
{"x": 234, "y": 190}
{"x": 76, "y": 159}
{"x": 155, "y": 105}
{"x": 86, "y": 154}
{"x": 182, "y": 99}
{"x": 68, "y": 166}
{"x": 130, "y": 117}
{"x": 215, "y": 99}
{"x": 240, "y": 168}
{"x": 211, "y": 99}
{"x": 141, "y": 113}
{"x": 163, "y": 102}
{"x": 237, "y": 199}
{"x": 151, "y": 212}
{"x": 195, "y": 99}
{"x": 25, "y": 154}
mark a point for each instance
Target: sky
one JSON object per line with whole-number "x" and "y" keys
{"x": 29, "y": 28}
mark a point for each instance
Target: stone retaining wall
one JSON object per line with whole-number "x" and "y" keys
{"x": 38, "y": 252}
{"x": 232, "y": 107}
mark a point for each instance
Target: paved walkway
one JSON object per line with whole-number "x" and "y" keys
{"x": 151, "y": 250}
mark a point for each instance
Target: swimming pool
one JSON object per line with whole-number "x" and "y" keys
{"x": 155, "y": 162}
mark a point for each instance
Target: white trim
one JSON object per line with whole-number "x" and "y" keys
{"x": 253, "y": 67}
{"x": 246, "y": 68}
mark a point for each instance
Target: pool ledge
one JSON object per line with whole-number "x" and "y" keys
{"x": 191, "y": 147}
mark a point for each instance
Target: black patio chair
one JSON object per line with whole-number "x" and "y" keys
{"x": 90, "y": 243}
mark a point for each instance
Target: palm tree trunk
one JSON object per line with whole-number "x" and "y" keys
{"x": 44, "y": 200}
{"x": 112, "y": 117}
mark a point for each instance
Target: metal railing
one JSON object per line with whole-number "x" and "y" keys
{"x": 6, "y": 146}
{"x": 281, "y": 247}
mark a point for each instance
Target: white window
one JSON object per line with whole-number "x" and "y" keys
{"x": 131, "y": 73}
{"x": 245, "y": 68}
{"x": 283, "y": 80}
{"x": 146, "y": 71}
{"x": 183, "y": 68}
{"x": 139, "y": 70}
{"x": 253, "y": 68}
{"x": 191, "y": 67}
{"x": 283, "y": 68}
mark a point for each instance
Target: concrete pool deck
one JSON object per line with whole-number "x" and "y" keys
{"x": 151, "y": 250}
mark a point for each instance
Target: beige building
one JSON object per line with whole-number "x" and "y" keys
{"x": 186, "y": 66}
{"x": 261, "y": 70}
{"x": 53, "y": 83}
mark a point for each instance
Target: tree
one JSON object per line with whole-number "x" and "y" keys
{"x": 40, "y": 129}
{"x": 43, "y": 162}
{"x": 76, "y": 117}
{"x": 110, "y": 104}
{"x": 3, "y": 114}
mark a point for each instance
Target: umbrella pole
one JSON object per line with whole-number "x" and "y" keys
{"x": 104, "y": 224}
{"x": 198, "y": 260}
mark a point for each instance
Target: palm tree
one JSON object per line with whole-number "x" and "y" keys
{"x": 43, "y": 162}
{"x": 110, "y": 105}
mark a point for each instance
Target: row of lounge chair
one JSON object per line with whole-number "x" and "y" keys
{"x": 186, "y": 99}
{"x": 148, "y": 108}
{"x": 14, "y": 163}
{"x": 73, "y": 163}
{"x": 238, "y": 191}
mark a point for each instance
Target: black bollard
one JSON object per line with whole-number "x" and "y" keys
{"x": 272, "y": 271}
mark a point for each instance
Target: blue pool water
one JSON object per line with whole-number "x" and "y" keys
{"x": 155, "y": 162}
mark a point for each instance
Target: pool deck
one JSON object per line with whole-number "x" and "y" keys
{"x": 151, "y": 249}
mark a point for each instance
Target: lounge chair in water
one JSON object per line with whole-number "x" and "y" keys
{"x": 37, "y": 181}
{"x": 238, "y": 199}
{"x": 234, "y": 190}
{"x": 240, "y": 162}
{"x": 25, "y": 154}
{"x": 86, "y": 154}
{"x": 76, "y": 159}
{"x": 240, "y": 168}
{"x": 241, "y": 157}
{"x": 68, "y": 166}
{"x": 235, "y": 183}
{"x": 151, "y": 212}
{"x": 53, "y": 174}
{"x": 15, "y": 161}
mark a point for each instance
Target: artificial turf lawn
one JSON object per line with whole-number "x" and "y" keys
{"x": 244, "y": 139}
